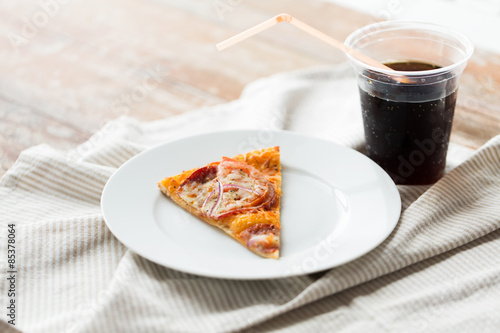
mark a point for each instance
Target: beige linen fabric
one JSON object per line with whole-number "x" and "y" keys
{"x": 439, "y": 271}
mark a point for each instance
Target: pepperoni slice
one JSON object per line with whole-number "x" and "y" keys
{"x": 262, "y": 236}
{"x": 202, "y": 175}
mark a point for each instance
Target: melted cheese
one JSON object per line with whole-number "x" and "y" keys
{"x": 195, "y": 193}
{"x": 264, "y": 240}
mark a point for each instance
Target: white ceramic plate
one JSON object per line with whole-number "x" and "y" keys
{"x": 336, "y": 206}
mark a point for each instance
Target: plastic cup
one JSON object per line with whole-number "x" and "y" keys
{"x": 408, "y": 114}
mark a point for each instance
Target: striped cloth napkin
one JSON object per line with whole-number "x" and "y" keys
{"x": 439, "y": 271}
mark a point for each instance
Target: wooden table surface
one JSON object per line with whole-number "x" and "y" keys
{"x": 70, "y": 66}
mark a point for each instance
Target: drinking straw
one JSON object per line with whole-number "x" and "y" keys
{"x": 304, "y": 27}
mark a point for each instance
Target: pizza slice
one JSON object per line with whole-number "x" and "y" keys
{"x": 240, "y": 195}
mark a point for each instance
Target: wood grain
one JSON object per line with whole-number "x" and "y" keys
{"x": 92, "y": 61}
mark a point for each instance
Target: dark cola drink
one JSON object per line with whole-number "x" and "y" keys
{"x": 408, "y": 108}
{"x": 407, "y": 123}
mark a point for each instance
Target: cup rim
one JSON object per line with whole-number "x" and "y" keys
{"x": 396, "y": 24}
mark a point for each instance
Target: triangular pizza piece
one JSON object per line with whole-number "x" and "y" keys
{"x": 240, "y": 195}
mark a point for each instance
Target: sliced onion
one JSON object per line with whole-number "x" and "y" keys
{"x": 230, "y": 186}
{"x": 268, "y": 202}
{"x": 206, "y": 200}
{"x": 219, "y": 198}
